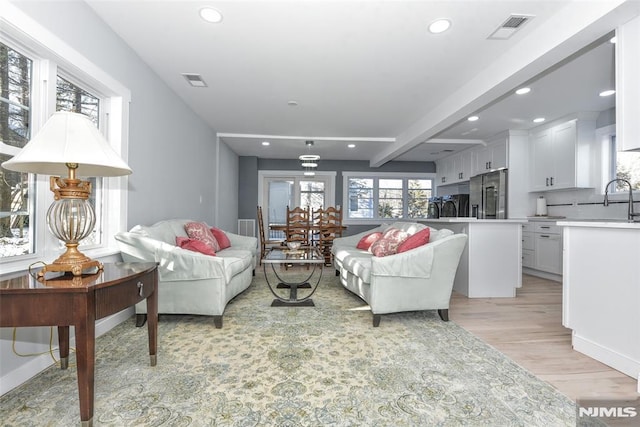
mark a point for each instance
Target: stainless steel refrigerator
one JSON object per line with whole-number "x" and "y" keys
{"x": 488, "y": 195}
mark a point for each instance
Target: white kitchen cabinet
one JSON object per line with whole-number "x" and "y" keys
{"x": 542, "y": 247}
{"x": 548, "y": 248}
{"x": 444, "y": 171}
{"x": 528, "y": 246}
{"x": 628, "y": 85}
{"x": 490, "y": 157}
{"x": 562, "y": 156}
{"x": 453, "y": 169}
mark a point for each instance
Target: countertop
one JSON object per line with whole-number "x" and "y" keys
{"x": 599, "y": 223}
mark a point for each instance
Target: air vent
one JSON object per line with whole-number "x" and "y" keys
{"x": 194, "y": 80}
{"x": 509, "y": 27}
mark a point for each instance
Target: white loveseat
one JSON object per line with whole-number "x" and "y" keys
{"x": 190, "y": 282}
{"x": 418, "y": 279}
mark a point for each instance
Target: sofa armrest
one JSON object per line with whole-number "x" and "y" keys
{"x": 242, "y": 242}
{"x": 176, "y": 264}
{"x": 135, "y": 246}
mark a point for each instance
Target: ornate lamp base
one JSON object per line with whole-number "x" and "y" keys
{"x": 72, "y": 261}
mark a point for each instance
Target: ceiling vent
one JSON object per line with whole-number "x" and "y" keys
{"x": 509, "y": 27}
{"x": 194, "y": 80}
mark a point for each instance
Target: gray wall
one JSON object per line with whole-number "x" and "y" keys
{"x": 249, "y": 167}
{"x": 172, "y": 151}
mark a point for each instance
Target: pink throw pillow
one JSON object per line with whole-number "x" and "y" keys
{"x": 200, "y": 231}
{"x": 221, "y": 238}
{"x": 418, "y": 239}
{"x": 389, "y": 242}
{"x": 368, "y": 240}
{"x": 194, "y": 245}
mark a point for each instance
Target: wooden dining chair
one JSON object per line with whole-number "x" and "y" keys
{"x": 329, "y": 227}
{"x": 297, "y": 225}
{"x": 264, "y": 242}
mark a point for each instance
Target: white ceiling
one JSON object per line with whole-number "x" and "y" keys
{"x": 369, "y": 72}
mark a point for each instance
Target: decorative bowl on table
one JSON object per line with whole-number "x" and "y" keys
{"x": 294, "y": 246}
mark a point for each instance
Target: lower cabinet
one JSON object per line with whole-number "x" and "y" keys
{"x": 542, "y": 246}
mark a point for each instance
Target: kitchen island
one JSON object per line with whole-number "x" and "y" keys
{"x": 491, "y": 264}
{"x": 601, "y": 291}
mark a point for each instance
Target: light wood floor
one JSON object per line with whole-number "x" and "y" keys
{"x": 528, "y": 329}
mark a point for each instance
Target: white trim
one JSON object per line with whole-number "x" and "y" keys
{"x": 378, "y": 175}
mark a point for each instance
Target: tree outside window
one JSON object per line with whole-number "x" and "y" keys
{"x": 16, "y": 189}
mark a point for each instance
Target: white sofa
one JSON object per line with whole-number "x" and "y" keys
{"x": 418, "y": 279}
{"x": 190, "y": 282}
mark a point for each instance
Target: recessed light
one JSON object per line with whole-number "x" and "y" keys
{"x": 266, "y": 143}
{"x": 439, "y": 26}
{"x": 211, "y": 15}
{"x": 351, "y": 145}
{"x": 523, "y": 90}
{"x": 473, "y": 118}
{"x": 539, "y": 120}
{"x": 607, "y": 92}
{"x": 292, "y": 103}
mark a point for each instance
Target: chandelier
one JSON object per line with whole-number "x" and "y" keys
{"x": 309, "y": 162}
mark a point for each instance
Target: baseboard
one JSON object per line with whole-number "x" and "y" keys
{"x": 549, "y": 276}
{"x": 39, "y": 363}
{"x": 612, "y": 358}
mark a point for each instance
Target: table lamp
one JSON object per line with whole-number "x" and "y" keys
{"x": 69, "y": 144}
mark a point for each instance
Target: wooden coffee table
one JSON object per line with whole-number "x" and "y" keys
{"x": 281, "y": 257}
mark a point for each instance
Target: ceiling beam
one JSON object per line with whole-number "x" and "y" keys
{"x": 572, "y": 28}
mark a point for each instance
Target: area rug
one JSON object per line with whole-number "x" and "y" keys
{"x": 303, "y": 366}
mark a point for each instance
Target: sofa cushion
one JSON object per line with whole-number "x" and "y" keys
{"x": 200, "y": 231}
{"x": 416, "y": 240}
{"x": 439, "y": 234}
{"x": 221, "y": 238}
{"x": 194, "y": 245}
{"x": 389, "y": 242}
{"x": 235, "y": 261}
{"x": 368, "y": 240}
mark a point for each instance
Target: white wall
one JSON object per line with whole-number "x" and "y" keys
{"x": 172, "y": 151}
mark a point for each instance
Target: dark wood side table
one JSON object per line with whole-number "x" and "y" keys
{"x": 79, "y": 301}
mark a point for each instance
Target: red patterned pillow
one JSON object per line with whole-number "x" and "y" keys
{"x": 418, "y": 239}
{"x": 368, "y": 240}
{"x": 200, "y": 231}
{"x": 221, "y": 238}
{"x": 389, "y": 242}
{"x": 194, "y": 245}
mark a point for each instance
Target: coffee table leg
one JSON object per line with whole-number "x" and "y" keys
{"x": 63, "y": 345}
{"x": 152, "y": 324}
{"x": 85, "y": 329}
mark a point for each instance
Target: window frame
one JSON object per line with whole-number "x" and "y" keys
{"x": 23, "y": 34}
{"x": 376, "y": 177}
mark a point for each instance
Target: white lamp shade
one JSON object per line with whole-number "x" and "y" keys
{"x": 68, "y": 138}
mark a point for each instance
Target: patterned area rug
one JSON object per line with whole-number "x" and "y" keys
{"x": 305, "y": 366}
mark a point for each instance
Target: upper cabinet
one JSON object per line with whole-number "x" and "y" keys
{"x": 562, "y": 156}
{"x": 628, "y": 85}
{"x": 490, "y": 157}
{"x": 454, "y": 168}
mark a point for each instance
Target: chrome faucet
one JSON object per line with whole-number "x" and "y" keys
{"x": 631, "y": 215}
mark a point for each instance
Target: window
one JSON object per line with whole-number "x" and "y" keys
{"x": 36, "y": 80}
{"x": 16, "y": 189}
{"x": 386, "y": 196}
{"x": 624, "y": 165}
{"x": 279, "y": 189}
